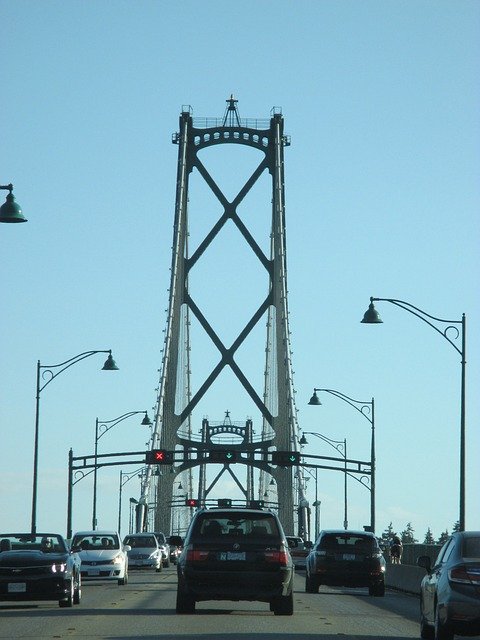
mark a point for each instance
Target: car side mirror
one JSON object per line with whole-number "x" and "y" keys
{"x": 75, "y": 549}
{"x": 127, "y": 547}
{"x": 425, "y": 562}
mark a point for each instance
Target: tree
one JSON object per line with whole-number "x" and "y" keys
{"x": 387, "y": 535}
{"x": 444, "y": 537}
{"x": 429, "y": 539}
{"x": 456, "y": 526}
{"x": 407, "y": 536}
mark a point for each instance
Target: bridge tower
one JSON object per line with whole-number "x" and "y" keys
{"x": 177, "y": 400}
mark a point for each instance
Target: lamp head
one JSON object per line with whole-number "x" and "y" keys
{"x": 303, "y": 441}
{"x": 146, "y": 422}
{"x": 371, "y": 315}
{"x": 110, "y": 364}
{"x": 314, "y": 400}
{"x": 10, "y": 211}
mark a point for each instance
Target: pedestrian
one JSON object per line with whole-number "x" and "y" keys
{"x": 396, "y": 549}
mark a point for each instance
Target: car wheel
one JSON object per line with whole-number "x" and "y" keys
{"x": 283, "y": 605}
{"x": 311, "y": 584}
{"x": 77, "y": 593}
{"x": 185, "y": 603}
{"x": 123, "y": 581}
{"x": 166, "y": 563}
{"x": 442, "y": 631}
{"x": 159, "y": 568}
{"x": 68, "y": 601}
{"x": 378, "y": 590}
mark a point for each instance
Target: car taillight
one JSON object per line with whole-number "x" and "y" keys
{"x": 197, "y": 555}
{"x": 279, "y": 556}
{"x": 464, "y": 574}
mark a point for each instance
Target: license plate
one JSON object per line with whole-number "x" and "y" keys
{"x": 349, "y": 556}
{"x": 236, "y": 555}
{"x": 17, "y": 587}
{"x": 94, "y": 573}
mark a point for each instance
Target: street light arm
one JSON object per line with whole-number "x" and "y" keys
{"x": 338, "y": 445}
{"x": 362, "y": 406}
{"x": 105, "y": 425}
{"x": 64, "y": 365}
{"x": 426, "y": 317}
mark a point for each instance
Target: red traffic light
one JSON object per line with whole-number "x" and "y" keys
{"x": 159, "y": 456}
{"x": 191, "y": 502}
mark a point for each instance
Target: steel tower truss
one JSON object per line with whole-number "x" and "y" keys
{"x": 176, "y": 402}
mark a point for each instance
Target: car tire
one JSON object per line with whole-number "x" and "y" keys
{"x": 427, "y": 632}
{"x": 77, "y": 592}
{"x": 283, "y": 605}
{"x": 311, "y": 585}
{"x": 68, "y": 601}
{"x": 378, "y": 590}
{"x": 166, "y": 563}
{"x": 185, "y": 603}
{"x": 159, "y": 568}
{"x": 123, "y": 581}
{"x": 442, "y": 631}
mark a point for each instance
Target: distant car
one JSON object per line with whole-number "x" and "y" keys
{"x": 145, "y": 552}
{"x": 450, "y": 592}
{"x": 235, "y": 554}
{"x": 346, "y": 559}
{"x": 175, "y": 551}
{"x": 39, "y": 567}
{"x": 299, "y": 550}
{"x": 165, "y": 547}
{"x": 102, "y": 554}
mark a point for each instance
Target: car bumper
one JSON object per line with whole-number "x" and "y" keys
{"x": 102, "y": 573}
{"x": 350, "y": 578}
{"x": 253, "y": 586}
{"x": 31, "y": 589}
{"x": 462, "y": 616}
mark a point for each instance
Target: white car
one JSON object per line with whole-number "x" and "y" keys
{"x": 144, "y": 551}
{"x": 103, "y": 555}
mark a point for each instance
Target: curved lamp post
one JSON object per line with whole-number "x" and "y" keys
{"x": 124, "y": 478}
{"x": 48, "y": 375}
{"x": 371, "y": 317}
{"x": 341, "y": 447}
{"x": 101, "y": 428}
{"x": 367, "y": 409}
{"x": 10, "y": 211}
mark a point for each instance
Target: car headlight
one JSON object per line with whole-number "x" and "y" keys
{"x": 154, "y": 555}
{"x": 118, "y": 559}
{"x": 59, "y": 567}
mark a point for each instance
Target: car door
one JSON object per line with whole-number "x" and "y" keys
{"x": 431, "y": 581}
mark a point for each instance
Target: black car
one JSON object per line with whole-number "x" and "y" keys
{"x": 450, "y": 592}
{"x": 346, "y": 559}
{"x": 39, "y": 567}
{"x": 235, "y": 554}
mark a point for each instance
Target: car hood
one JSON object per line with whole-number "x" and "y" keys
{"x": 99, "y": 554}
{"x": 30, "y": 558}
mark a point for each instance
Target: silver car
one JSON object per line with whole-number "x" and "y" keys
{"x": 450, "y": 592}
{"x": 145, "y": 552}
{"x": 102, "y": 554}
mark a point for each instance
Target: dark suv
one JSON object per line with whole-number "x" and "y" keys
{"x": 346, "y": 559}
{"x": 235, "y": 554}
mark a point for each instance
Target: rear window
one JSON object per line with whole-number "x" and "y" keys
{"x": 348, "y": 542}
{"x": 471, "y": 548}
{"x": 235, "y": 525}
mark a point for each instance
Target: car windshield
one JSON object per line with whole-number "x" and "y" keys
{"x": 141, "y": 542}
{"x": 235, "y": 525}
{"x": 95, "y": 542}
{"x": 471, "y": 547}
{"x": 44, "y": 542}
{"x": 348, "y": 542}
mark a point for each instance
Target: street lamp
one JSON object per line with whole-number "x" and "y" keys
{"x": 371, "y": 316}
{"x": 341, "y": 447}
{"x": 101, "y": 428}
{"x": 124, "y": 478}
{"x": 367, "y": 409}
{"x": 49, "y": 375}
{"x": 10, "y": 211}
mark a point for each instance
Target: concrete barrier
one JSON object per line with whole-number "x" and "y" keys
{"x": 404, "y": 577}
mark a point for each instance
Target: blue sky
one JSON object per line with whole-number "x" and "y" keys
{"x": 382, "y": 198}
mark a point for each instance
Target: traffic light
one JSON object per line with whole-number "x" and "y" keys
{"x": 224, "y": 502}
{"x": 256, "y": 504}
{"x": 159, "y": 456}
{"x": 286, "y": 458}
{"x": 222, "y": 455}
{"x": 191, "y": 502}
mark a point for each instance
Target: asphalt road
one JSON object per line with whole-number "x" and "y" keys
{"x": 145, "y": 609}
